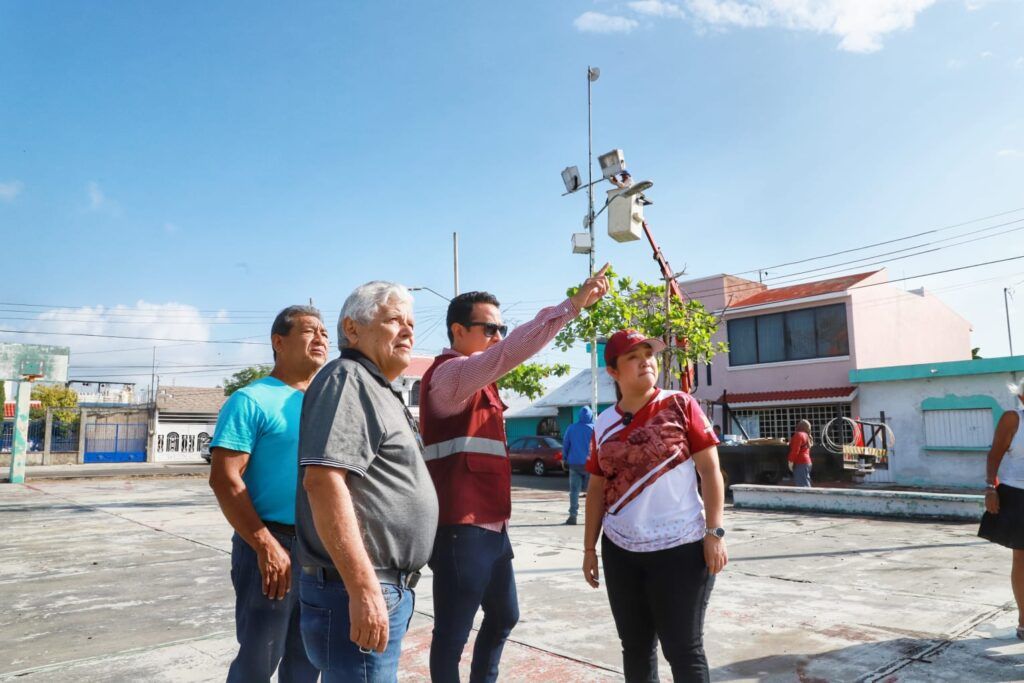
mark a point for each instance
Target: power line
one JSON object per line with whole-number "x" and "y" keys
{"x": 879, "y": 244}
{"x": 911, "y": 277}
{"x": 120, "y": 336}
{"x": 137, "y": 322}
{"x": 794, "y": 278}
{"x": 848, "y": 265}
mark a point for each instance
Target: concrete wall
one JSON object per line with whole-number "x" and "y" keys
{"x": 34, "y": 458}
{"x": 892, "y": 327}
{"x": 911, "y": 463}
{"x": 717, "y": 291}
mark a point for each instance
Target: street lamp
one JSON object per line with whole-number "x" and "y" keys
{"x": 1007, "y": 295}
{"x": 428, "y": 289}
{"x": 583, "y": 242}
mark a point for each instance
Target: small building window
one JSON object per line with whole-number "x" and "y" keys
{"x": 172, "y": 442}
{"x": 414, "y": 394}
{"x": 819, "y": 332}
{"x": 970, "y": 429}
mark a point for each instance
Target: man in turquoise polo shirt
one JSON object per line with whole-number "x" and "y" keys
{"x": 254, "y": 471}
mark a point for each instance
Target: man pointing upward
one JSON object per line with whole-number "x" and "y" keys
{"x": 464, "y": 445}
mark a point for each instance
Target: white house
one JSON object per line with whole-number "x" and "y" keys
{"x": 943, "y": 416}
{"x": 183, "y": 422}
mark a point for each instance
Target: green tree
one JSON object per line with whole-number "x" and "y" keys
{"x": 246, "y": 376}
{"x": 527, "y": 379}
{"x": 64, "y": 401}
{"x": 641, "y": 306}
{"x": 3, "y": 394}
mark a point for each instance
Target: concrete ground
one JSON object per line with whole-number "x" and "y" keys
{"x": 127, "y": 579}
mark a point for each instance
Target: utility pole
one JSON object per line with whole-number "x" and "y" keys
{"x": 592, "y": 75}
{"x": 1006, "y": 305}
{"x": 152, "y": 380}
{"x": 455, "y": 249}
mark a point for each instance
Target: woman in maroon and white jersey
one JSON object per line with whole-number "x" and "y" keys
{"x": 662, "y": 543}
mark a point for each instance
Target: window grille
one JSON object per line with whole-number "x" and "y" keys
{"x": 779, "y": 423}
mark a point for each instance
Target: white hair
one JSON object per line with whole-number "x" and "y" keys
{"x": 366, "y": 300}
{"x": 1017, "y": 389}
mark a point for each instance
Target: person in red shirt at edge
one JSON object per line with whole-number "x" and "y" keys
{"x": 463, "y": 432}
{"x": 800, "y": 453}
{"x": 663, "y": 541}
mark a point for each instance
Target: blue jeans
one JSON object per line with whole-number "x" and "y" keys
{"x": 579, "y": 479}
{"x": 472, "y": 569}
{"x": 802, "y": 475}
{"x": 326, "y": 630}
{"x": 267, "y": 630}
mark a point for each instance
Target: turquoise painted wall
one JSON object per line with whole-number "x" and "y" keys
{"x": 527, "y": 426}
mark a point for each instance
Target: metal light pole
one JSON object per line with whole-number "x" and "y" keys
{"x": 455, "y": 259}
{"x": 593, "y": 73}
{"x": 1006, "y": 305}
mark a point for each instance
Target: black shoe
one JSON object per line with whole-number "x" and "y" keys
{"x": 571, "y": 521}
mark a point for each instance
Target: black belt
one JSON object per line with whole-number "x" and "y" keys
{"x": 394, "y": 576}
{"x": 278, "y": 528}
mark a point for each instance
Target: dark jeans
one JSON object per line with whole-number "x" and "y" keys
{"x": 472, "y": 569}
{"x": 327, "y": 631}
{"x": 660, "y": 595}
{"x": 267, "y": 630}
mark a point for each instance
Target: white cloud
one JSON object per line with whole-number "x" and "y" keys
{"x": 96, "y": 197}
{"x": 10, "y": 189}
{"x": 99, "y": 201}
{"x": 1018, "y": 63}
{"x": 860, "y": 24}
{"x": 129, "y": 360}
{"x": 595, "y": 22}
{"x": 986, "y": 54}
{"x": 657, "y": 8}
{"x": 170, "y": 228}
{"x": 955, "y": 63}
{"x": 1011, "y": 153}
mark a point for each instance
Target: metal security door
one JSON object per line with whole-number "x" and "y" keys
{"x": 115, "y": 442}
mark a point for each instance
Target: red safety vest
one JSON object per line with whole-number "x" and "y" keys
{"x": 467, "y": 456}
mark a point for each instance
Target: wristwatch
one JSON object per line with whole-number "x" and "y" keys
{"x": 717, "y": 532}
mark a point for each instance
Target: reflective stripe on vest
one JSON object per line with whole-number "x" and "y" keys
{"x": 464, "y": 444}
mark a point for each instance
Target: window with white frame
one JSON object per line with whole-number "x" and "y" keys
{"x": 819, "y": 332}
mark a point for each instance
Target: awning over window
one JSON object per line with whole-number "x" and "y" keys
{"x": 795, "y": 397}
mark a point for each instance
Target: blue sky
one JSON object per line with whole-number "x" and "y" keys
{"x": 201, "y": 165}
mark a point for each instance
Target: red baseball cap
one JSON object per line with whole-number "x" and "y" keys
{"x": 625, "y": 341}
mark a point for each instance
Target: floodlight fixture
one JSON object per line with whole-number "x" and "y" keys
{"x": 612, "y": 164}
{"x": 571, "y": 178}
{"x": 593, "y": 73}
{"x": 581, "y": 243}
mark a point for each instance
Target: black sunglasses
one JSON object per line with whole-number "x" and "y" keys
{"x": 490, "y": 329}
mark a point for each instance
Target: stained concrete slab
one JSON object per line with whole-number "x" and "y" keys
{"x": 805, "y": 597}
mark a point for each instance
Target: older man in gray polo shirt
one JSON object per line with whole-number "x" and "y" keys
{"x": 366, "y": 509}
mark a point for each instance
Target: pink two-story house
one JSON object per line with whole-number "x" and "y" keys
{"x": 791, "y": 348}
